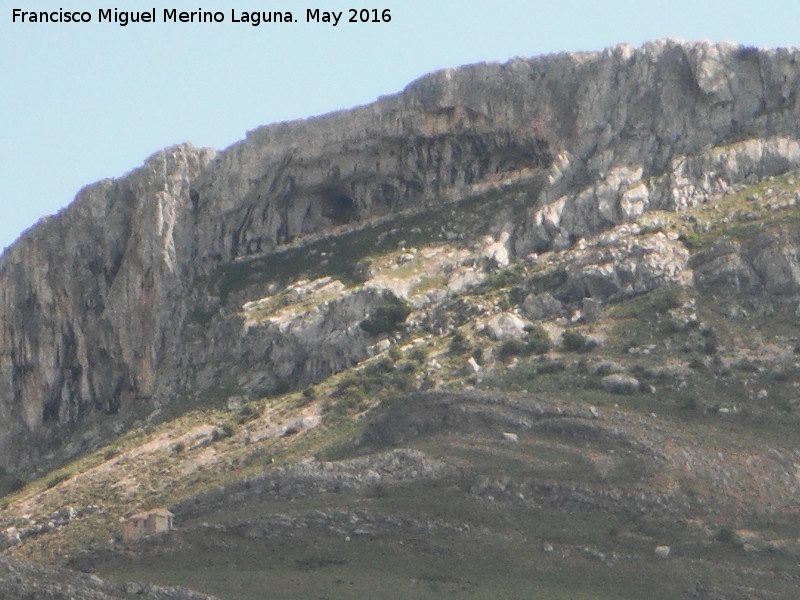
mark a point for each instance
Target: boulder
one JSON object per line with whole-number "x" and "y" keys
{"x": 541, "y": 307}
{"x": 495, "y": 252}
{"x": 617, "y": 383}
{"x": 591, "y": 310}
{"x": 506, "y": 326}
{"x": 662, "y": 552}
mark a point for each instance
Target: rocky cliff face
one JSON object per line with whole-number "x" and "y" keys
{"x": 134, "y": 294}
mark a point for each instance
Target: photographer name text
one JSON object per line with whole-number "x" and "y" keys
{"x": 255, "y": 18}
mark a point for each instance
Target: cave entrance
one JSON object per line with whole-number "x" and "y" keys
{"x": 338, "y": 208}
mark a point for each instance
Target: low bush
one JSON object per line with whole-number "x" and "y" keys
{"x": 510, "y": 348}
{"x": 248, "y": 413}
{"x": 223, "y": 431}
{"x": 686, "y": 402}
{"x": 550, "y": 366}
{"x": 54, "y": 480}
{"x": 726, "y": 535}
{"x": 387, "y": 317}
{"x": 407, "y": 366}
{"x": 538, "y": 340}
{"x": 418, "y": 354}
{"x": 458, "y": 344}
{"x": 710, "y": 343}
{"x": 379, "y": 366}
{"x": 574, "y": 341}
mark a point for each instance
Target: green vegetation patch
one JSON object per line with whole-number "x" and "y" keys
{"x": 387, "y": 317}
{"x": 536, "y": 341}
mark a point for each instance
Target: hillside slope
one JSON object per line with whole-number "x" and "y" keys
{"x": 572, "y": 436}
{"x": 520, "y": 330}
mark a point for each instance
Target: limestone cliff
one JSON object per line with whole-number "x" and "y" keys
{"x": 129, "y": 297}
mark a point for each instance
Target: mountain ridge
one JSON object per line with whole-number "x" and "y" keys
{"x": 167, "y": 225}
{"x": 547, "y": 307}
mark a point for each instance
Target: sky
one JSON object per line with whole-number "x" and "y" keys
{"x": 85, "y": 101}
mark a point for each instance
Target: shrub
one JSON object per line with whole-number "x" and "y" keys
{"x": 538, "y": 340}
{"x": 458, "y": 344}
{"x": 380, "y": 366}
{"x": 503, "y": 278}
{"x": 665, "y": 299}
{"x": 407, "y": 366}
{"x": 360, "y": 273}
{"x": 726, "y": 535}
{"x": 377, "y": 490}
{"x": 509, "y": 348}
{"x": 223, "y": 431}
{"x": 686, "y": 402}
{"x": 387, "y": 317}
{"x": 550, "y": 366}
{"x": 347, "y": 404}
{"x": 248, "y": 412}
{"x": 574, "y": 341}
{"x": 403, "y": 381}
{"x": 696, "y": 364}
{"x": 56, "y": 479}
{"x": 351, "y": 383}
{"x": 710, "y": 345}
{"x": 418, "y": 354}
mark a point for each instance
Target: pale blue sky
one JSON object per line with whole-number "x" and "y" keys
{"x": 88, "y": 101}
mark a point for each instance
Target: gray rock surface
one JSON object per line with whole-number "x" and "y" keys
{"x": 762, "y": 271}
{"x": 541, "y": 306}
{"x": 619, "y": 264}
{"x": 506, "y": 326}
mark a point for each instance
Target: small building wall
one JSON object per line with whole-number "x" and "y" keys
{"x": 146, "y": 523}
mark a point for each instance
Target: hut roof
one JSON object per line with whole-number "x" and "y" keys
{"x": 161, "y": 512}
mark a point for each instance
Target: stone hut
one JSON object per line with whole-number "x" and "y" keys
{"x": 146, "y": 523}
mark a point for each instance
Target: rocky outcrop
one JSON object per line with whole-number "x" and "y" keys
{"x": 625, "y": 192}
{"x": 761, "y": 271}
{"x": 619, "y": 264}
{"x": 294, "y": 346}
{"x": 111, "y": 305}
{"x": 87, "y": 298}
